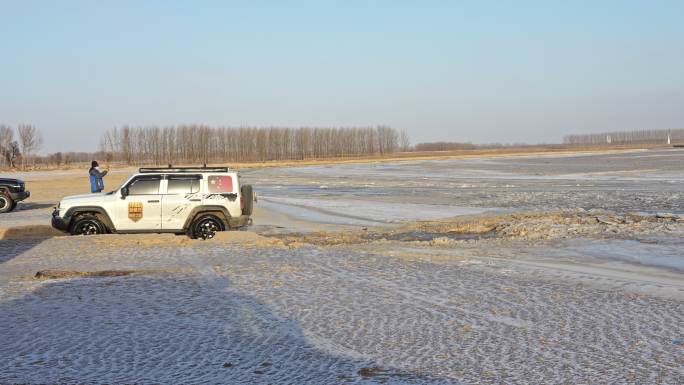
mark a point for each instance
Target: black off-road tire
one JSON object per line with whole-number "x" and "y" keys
{"x": 87, "y": 224}
{"x": 248, "y": 197}
{"x": 6, "y": 203}
{"x": 205, "y": 227}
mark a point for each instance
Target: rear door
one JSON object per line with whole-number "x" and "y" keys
{"x": 181, "y": 196}
{"x": 141, "y": 209}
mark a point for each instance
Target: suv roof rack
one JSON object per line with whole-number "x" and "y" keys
{"x": 170, "y": 168}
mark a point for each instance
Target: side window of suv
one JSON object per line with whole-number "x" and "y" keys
{"x": 183, "y": 184}
{"x": 144, "y": 185}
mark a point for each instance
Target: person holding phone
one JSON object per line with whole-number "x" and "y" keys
{"x": 96, "y": 177}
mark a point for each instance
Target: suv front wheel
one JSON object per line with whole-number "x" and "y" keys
{"x": 87, "y": 224}
{"x": 205, "y": 227}
{"x": 6, "y": 203}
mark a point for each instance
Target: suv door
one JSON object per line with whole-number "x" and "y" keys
{"x": 141, "y": 209}
{"x": 181, "y": 196}
{"x": 222, "y": 189}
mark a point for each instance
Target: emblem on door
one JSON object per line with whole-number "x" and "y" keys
{"x": 135, "y": 211}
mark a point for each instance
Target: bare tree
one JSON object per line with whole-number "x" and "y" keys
{"x": 12, "y": 154}
{"x": 404, "y": 141}
{"x": 30, "y": 139}
{"x": 6, "y": 139}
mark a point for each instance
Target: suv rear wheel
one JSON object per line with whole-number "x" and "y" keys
{"x": 87, "y": 224}
{"x": 205, "y": 227}
{"x": 6, "y": 203}
{"x": 247, "y": 199}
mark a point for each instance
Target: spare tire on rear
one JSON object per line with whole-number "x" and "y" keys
{"x": 247, "y": 199}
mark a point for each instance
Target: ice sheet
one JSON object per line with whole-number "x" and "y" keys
{"x": 360, "y": 212}
{"x": 664, "y": 253}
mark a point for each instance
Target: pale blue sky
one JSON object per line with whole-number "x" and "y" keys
{"x": 507, "y": 71}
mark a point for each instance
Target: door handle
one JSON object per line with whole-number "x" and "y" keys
{"x": 153, "y": 201}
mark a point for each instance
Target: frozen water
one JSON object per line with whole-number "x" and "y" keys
{"x": 661, "y": 252}
{"x": 601, "y": 309}
{"x": 645, "y": 181}
{"x": 320, "y": 316}
{"x": 362, "y": 212}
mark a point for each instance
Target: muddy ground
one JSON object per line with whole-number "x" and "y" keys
{"x": 514, "y": 270}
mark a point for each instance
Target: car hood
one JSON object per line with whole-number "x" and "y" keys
{"x": 10, "y": 180}
{"x": 97, "y": 197}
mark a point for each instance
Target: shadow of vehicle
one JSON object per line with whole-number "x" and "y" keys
{"x": 17, "y": 240}
{"x": 24, "y": 206}
{"x": 167, "y": 328}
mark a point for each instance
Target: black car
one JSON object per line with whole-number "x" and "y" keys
{"x": 11, "y": 192}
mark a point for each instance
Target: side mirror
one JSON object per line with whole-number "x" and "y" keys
{"x": 124, "y": 192}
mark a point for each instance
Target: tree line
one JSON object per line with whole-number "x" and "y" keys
{"x": 21, "y": 151}
{"x": 659, "y": 136}
{"x": 197, "y": 144}
{"x": 206, "y": 144}
{"x": 444, "y": 146}
{"x": 465, "y": 146}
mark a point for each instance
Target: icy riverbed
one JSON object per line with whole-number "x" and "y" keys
{"x": 511, "y": 270}
{"x": 643, "y": 181}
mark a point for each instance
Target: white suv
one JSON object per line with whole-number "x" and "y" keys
{"x": 198, "y": 201}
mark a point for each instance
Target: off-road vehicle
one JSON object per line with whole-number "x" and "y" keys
{"x": 197, "y": 201}
{"x": 11, "y": 192}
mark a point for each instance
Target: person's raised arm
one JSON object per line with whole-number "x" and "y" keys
{"x": 97, "y": 173}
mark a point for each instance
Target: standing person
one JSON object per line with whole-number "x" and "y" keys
{"x": 96, "y": 182}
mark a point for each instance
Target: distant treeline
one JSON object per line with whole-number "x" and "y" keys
{"x": 444, "y": 146}
{"x": 193, "y": 144}
{"x": 458, "y": 146}
{"x": 206, "y": 144}
{"x": 628, "y": 137}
